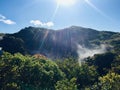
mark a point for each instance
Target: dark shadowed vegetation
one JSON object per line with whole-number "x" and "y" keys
{"x": 27, "y": 67}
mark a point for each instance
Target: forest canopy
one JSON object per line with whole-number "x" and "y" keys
{"x": 19, "y": 72}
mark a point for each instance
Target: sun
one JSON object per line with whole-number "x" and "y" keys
{"x": 66, "y": 2}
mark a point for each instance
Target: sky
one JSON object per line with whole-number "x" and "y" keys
{"x": 59, "y": 14}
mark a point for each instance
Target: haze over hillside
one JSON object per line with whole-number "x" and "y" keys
{"x": 41, "y": 50}
{"x": 73, "y": 58}
{"x": 57, "y": 43}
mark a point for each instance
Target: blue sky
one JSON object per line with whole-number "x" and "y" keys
{"x": 96, "y": 14}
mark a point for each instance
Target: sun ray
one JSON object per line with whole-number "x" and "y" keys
{"x": 45, "y": 36}
{"x": 98, "y": 10}
{"x": 66, "y": 2}
{"x": 63, "y": 3}
{"x": 55, "y": 12}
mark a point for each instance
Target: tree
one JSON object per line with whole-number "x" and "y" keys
{"x": 66, "y": 84}
{"x": 102, "y": 62}
{"x": 110, "y": 81}
{"x": 116, "y": 65}
{"x": 23, "y": 72}
{"x": 85, "y": 75}
{"x": 12, "y": 45}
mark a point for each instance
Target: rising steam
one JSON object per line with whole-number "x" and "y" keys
{"x": 84, "y": 52}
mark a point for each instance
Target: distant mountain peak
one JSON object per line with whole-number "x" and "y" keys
{"x": 76, "y": 26}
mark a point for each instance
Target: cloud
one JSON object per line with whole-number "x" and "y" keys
{"x": 2, "y": 17}
{"x": 6, "y": 21}
{"x": 36, "y": 22}
{"x": 49, "y": 24}
{"x": 39, "y": 23}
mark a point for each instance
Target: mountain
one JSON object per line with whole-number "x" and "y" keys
{"x": 57, "y": 43}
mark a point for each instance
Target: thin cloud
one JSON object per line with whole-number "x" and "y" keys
{"x": 49, "y": 24}
{"x": 3, "y": 19}
{"x": 39, "y": 23}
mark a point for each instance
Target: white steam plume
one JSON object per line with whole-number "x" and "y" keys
{"x": 84, "y": 52}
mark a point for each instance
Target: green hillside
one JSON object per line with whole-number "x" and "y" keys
{"x": 55, "y": 65}
{"x": 57, "y": 43}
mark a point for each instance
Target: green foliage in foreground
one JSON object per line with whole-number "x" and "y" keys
{"x": 18, "y": 72}
{"x": 111, "y": 81}
{"x": 66, "y": 84}
{"x": 85, "y": 75}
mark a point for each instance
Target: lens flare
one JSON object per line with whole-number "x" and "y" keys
{"x": 97, "y": 9}
{"x": 66, "y": 2}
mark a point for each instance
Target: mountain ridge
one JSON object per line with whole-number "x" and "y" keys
{"x": 55, "y": 43}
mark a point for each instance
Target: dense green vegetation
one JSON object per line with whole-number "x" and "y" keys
{"x": 20, "y": 69}
{"x": 26, "y": 72}
{"x": 19, "y": 72}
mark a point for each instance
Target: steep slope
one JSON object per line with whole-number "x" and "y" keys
{"x": 55, "y": 43}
